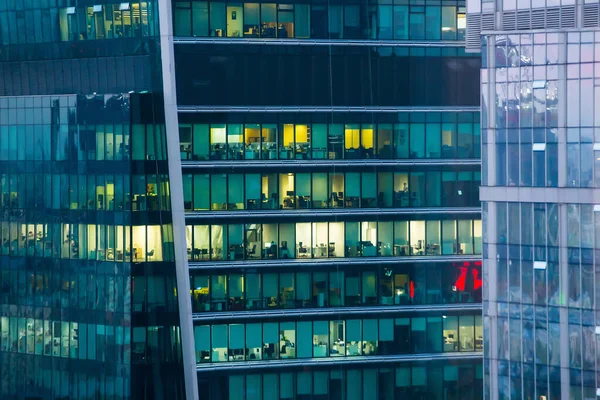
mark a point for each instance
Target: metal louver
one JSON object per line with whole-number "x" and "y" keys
{"x": 509, "y": 21}
{"x": 538, "y": 18}
{"x": 591, "y": 18}
{"x": 567, "y": 17}
{"x": 488, "y": 22}
{"x": 523, "y": 20}
{"x": 553, "y": 17}
{"x": 473, "y": 36}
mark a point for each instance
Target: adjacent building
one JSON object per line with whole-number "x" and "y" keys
{"x": 88, "y": 264}
{"x": 239, "y": 201}
{"x": 540, "y": 116}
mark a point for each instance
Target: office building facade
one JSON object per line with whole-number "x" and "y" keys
{"x": 331, "y": 166}
{"x": 539, "y": 119}
{"x": 239, "y": 201}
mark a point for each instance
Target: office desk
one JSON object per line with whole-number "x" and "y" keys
{"x": 401, "y": 250}
{"x": 252, "y": 154}
{"x": 432, "y": 249}
{"x": 449, "y": 346}
{"x": 285, "y": 154}
{"x": 320, "y": 251}
{"x": 319, "y": 154}
{"x": 369, "y": 251}
{"x": 320, "y": 350}
{"x": 289, "y": 202}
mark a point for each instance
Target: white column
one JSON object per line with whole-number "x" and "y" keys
{"x": 176, "y": 185}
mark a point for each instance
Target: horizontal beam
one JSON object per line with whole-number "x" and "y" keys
{"x": 330, "y": 262}
{"x": 334, "y": 311}
{"x": 319, "y": 42}
{"x": 301, "y": 109}
{"x": 262, "y": 164}
{"x": 330, "y": 212}
{"x": 247, "y": 366}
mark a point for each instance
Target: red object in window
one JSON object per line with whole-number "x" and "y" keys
{"x": 477, "y": 281}
{"x": 411, "y": 290}
{"x": 460, "y": 282}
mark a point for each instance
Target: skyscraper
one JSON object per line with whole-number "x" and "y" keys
{"x": 239, "y": 201}
{"x": 540, "y": 113}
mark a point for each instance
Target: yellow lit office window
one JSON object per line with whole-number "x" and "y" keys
{"x": 352, "y": 136}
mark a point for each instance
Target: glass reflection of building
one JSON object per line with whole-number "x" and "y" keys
{"x": 88, "y": 305}
{"x": 540, "y": 218}
{"x": 331, "y": 175}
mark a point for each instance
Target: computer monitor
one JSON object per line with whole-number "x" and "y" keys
{"x": 267, "y": 245}
{"x": 290, "y": 192}
{"x": 340, "y": 194}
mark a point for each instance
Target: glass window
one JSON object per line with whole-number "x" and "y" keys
{"x": 253, "y": 191}
{"x": 368, "y": 189}
{"x": 417, "y": 237}
{"x": 449, "y": 23}
{"x": 400, "y": 21}
{"x": 304, "y": 240}
{"x": 384, "y": 141}
{"x": 251, "y": 19}
{"x": 302, "y": 21}
{"x": 336, "y": 190}
{"x": 320, "y": 192}
{"x": 335, "y": 22}
{"x": 418, "y": 335}
{"x": 287, "y": 340}
{"x": 218, "y": 191}
{"x": 465, "y": 140}
{"x": 335, "y": 140}
{"x": 434, "y": 192}
{"x": 385, "y": 194}
{"x": 269, "y": 141}
{"x": 200, "y": 18}
{"x": 336, "y": 239}
{"x": 450, "y": 333}
{"x": 320, "y": 339}
{"x": 352, "y": 141}
{"x": 218, "y": 139}
{"x": 287, "y": 244}
{"x": 286, "y": 290}
{"x": 217, "y": 19}
{"x": 417, "y": 140}
{"x": 417, "y": 189}
{"x": 432, "y": 22}
{"x": 271, "y": 290}
{"x": 235, "y": 192}
{"x": 352, "y": 29}
{"x": 465, "y": 236}
{"x": 401, "y": 190}
{"x": 253, "y": 293}
{"x": 252, "y": 132}
{"x": 319, "y": 140}
{"x": 434, "y": 334}
{"x": 271, "y": 341}
{"x": 337, "y": 338}
{"x": 466, "y": 333}
{"x": 336, "y": 288}
{"x": 219, "y": 343}
{"x": 433, "y": 246}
